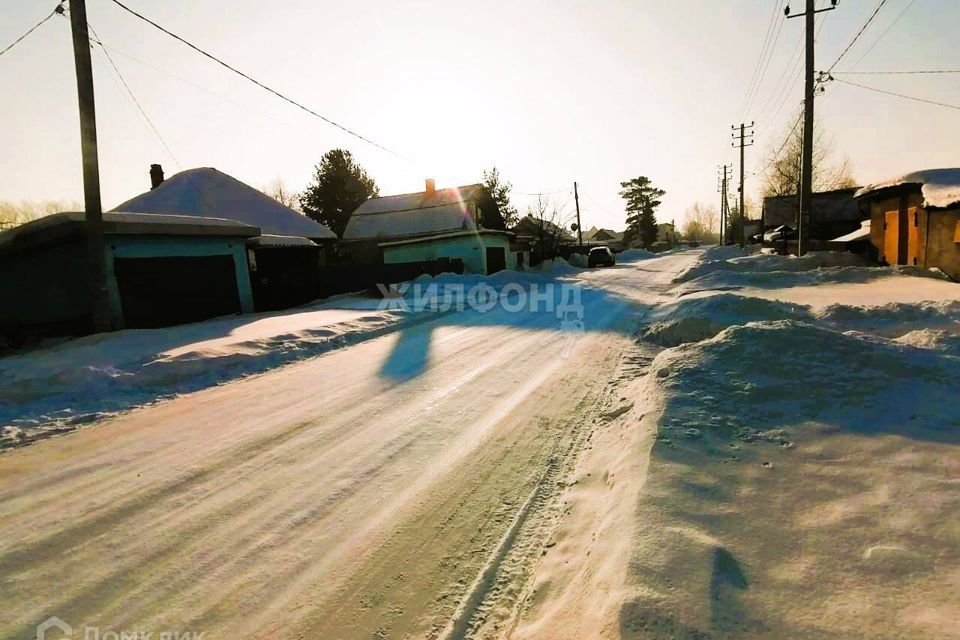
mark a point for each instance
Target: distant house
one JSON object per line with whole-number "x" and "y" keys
{"x": 915, "y": 219}
{"x": 606, "y": 237}
{"x": 832, "y": 213}
{"x": 547, "y": 240}
{"x": 161, "y": 270}
{"x": 459, "y": 225}
{"x": 668, "y": 235}
{"x": 284, "y": 258}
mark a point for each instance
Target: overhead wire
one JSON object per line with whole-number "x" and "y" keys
{"x": 893, "y": 73}
{"x": 856, "y": 37}
{"x": 760, "y": 60}
{"x": 57, "y": 9}
{"x": 885, "y": 32}
{"x": 898, "y": 95}
{"x": 126, "y": 86}
{"x": 262, "y": 85}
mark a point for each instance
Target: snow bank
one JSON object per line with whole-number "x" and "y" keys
{"x": 578, "y": 260}
{"x": 769, "y": 263}
{"x": 635, "y": 255}
{"x": 938, "y": 340}
{"x": 811, "y": 462}
{"x": 773, "y": 374}
{"x": 695, "y": 319}
{"x": 692, "y": 319}
{"x": 59, "y": 388}
{"x": 896, "y": 319}
{"x": 725, "y": 279}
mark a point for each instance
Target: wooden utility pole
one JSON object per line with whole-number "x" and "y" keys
{"x": 742, "y": 139}
{"x": 576, "y": 200}
{"x": 96, "y": 247}
{"x": 806, "y": 168}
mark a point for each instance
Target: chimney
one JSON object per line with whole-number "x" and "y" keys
{"x": 156, "y": 176}
{"x": 431, "y": 187}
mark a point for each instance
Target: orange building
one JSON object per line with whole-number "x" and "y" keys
{"x": 915, "y": 220}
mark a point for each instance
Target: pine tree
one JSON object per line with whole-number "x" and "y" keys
{"x": 340, "y": 185}
{"x": 642, "y": 202}
{"x": 499, "y": 190}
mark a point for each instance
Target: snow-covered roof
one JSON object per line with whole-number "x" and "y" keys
{"x": 414, "y": 214}
{"x": 268, "y": 240}
{"x": 605, "y": 234}
{"x": 70, "y": 222}
{"x": 860, "y": 234}
{"x": 210, "y": 193}
{"x": 940, "y": 187}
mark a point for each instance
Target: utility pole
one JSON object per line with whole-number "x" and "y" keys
{"x": 96, "y": 246}
{"x": 722, "y": 181}
{"x": 742, "y": 138}
{"x": 576, "y": 200}
{"x": 806, "y": 168}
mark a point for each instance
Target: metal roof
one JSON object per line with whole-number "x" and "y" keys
{"x": 415, "y": 214}
{"x": 69, "y": 223}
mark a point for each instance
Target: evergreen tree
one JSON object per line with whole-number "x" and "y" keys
{"x": 500, "y": 192}
{"x": 642, "y": 202}
{"x": 339, "y": 186}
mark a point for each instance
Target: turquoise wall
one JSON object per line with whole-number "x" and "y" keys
{"x": 470, "y": 249}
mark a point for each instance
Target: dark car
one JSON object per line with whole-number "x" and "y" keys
{"x": 600, "y": 257}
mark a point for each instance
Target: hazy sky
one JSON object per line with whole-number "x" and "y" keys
{"x": 550, "y": 92}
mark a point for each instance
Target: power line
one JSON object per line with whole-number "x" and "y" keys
{"x": 899, "y": 95}
{"x": 885, "y": 32}
{"x": 766, "y": 66}
{"x": 892, "y": 73}
{"x": 260, "y": 84}
{"x": 855, "y": 38}
{"x": 761, "y": 58}
{"x": 543, "y": 193}
{"x": 156, "y": 132}
{"x": 57, "y": 9}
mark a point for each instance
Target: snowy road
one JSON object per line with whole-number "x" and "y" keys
{"x": 354, "y": 495}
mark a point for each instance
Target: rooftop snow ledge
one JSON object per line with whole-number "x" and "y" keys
{"x": 940, "y": 187}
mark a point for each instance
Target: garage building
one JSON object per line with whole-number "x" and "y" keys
{"x": 162, "y": 270}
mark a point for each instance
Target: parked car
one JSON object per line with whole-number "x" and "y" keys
{"x": 783, "y": 232}
{"x": 601, "y": 257}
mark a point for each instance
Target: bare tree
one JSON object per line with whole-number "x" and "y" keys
{"x": 548, "y": 222}
{"x": 701, "y": 222}
{"x": 279, "y": 191}
{"x": 782, "y": 176}
{"x": 16, "y": 213}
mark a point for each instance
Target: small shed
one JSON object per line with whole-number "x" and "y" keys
{"x": 161, "y": 270}
{"x": 915, "y": 219}
{"x": 832, "y": 213}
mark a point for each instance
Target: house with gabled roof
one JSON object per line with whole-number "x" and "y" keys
{"x": 461, "y": 225}
{"x": 284, "y": 258}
